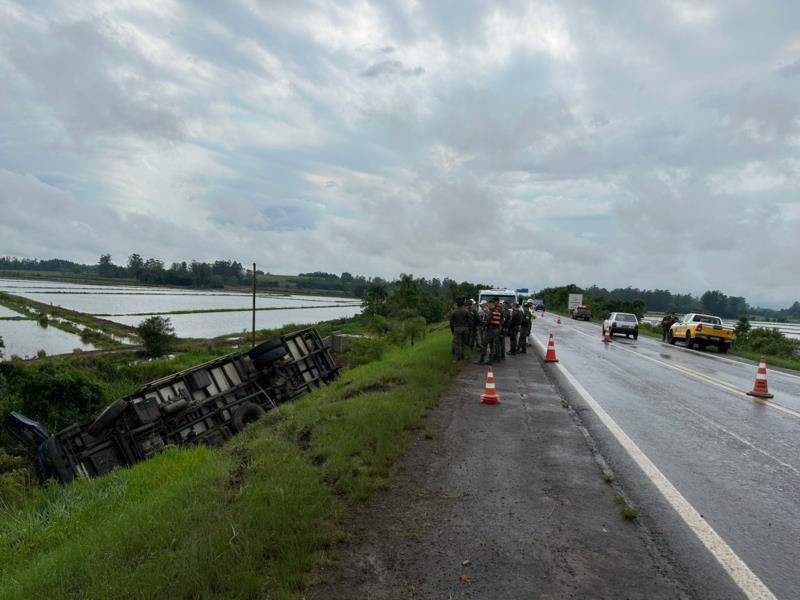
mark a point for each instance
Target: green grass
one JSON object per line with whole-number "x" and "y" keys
{"x": 626, "y": 511}
{"x": 245, "y": 521}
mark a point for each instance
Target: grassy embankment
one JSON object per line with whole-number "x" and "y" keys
{"x": 244, "y": 521}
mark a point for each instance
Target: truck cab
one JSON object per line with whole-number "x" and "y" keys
{"x": 509, "y": 296}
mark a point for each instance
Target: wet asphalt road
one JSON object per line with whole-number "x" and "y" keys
{"x": 735, "y": 460}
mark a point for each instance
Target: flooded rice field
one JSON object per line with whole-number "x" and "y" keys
{"x": 130, "y": 305}
{"x": 213, "y": 324}
{"x": 26, "y": 338}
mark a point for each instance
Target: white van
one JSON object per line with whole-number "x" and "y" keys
{"x": 510, "y": 296}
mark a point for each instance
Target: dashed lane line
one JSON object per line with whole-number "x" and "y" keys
{"x": 705, "y": 378}
{"x": 748, "y": 582}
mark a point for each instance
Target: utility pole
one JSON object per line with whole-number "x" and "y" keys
{"x": 253, "y": 342}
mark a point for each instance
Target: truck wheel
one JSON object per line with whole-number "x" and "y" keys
{"x": 689, "y": 343}
{"x": 723, "y": 348}
{"x": 246, "y": 413}
{"x": 265, "y": 347}
{"x": 268, "y": 358}
{"x": 106, "y": 419}
{"x": 636, "y": 335}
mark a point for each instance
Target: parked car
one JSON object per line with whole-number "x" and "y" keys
{"x": 624, "y": 323}
{"x": 702, "y": 330}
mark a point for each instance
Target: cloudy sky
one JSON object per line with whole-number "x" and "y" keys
{"x": 652, "y": 144}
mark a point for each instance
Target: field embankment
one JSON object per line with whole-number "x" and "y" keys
{"x": 247, "y": 520}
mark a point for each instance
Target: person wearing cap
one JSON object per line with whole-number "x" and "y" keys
{"x": 460, "y": 319}
{"x": 491, "y": 333}
{"x": 528, "y": 316}
{"x": 474, "y": 322}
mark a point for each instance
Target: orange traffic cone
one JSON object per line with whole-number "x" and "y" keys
{"x": 606, "y": 336}
{"x": 760, "y": 389}
{"x": 551, "y": 351}
{"x": 490, "y": 394}
{"x": 558, "y": 321}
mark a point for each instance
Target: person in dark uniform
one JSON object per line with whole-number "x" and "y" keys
{"x": 460, "y": 320}
{"x": 514, "y": 325}
{"x": 666, "y": 325}
{"x": 506, "y": 311}
{"x": 492, "y": 328}
{"x": 473, "y": 324}
{"x": 525, "y": 327}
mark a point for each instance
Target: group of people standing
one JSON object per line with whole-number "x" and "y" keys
{"x": 488, "y": 326}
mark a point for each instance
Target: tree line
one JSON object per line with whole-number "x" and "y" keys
{"x": 638, "y": 301}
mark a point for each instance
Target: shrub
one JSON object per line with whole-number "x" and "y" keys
{"x": 769, "y": 341}
{"x": 53, "y": 393}
{"x": 157, "y": 335}
{"x": 365, "y": 350}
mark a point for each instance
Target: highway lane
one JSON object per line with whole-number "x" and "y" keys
{"x": 735, "y": 460}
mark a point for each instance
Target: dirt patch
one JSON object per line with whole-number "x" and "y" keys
{"x": 304, "y": 438}
{"x": 384, "y": 385}
{"x": 242, "y": 459}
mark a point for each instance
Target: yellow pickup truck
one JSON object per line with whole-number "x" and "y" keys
{"x": 703, "y": 330}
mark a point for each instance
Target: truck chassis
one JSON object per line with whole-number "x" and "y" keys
{"x": 206, "y": 404}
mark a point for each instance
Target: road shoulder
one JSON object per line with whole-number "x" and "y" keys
{"x": 502, "y": 501}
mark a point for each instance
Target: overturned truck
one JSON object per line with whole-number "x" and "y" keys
{"x": 206, "y": 404}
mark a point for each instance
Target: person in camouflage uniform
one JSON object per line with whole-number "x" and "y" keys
{"x": 460, "y": 320}
{"x": 515, "y": 322}
{"x": 491, "y": 334}
{"x": 666, "y": 325}
{"x": 528, "y": 316}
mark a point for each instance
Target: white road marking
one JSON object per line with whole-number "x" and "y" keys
{"x": 747, "y": 581}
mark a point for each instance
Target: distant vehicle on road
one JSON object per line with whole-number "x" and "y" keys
{"x": 582, "y": 312}
{"x": 538, "y": 304}
{"x": 574, "y": 301}
{"x": 703, "y": 330}
{"x": 625, "y": 323}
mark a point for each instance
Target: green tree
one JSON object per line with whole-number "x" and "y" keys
{"x": 375, "y": 297}
{"x": 105, "y": 267}
{"x": 714, "y": 302}
{"x": 157, "y": 335}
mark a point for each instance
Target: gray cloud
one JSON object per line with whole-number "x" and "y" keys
{"x": 391, "y": 67}
{"x": 530, "y": 143}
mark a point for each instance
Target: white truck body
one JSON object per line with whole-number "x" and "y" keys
{"x": 574, "y": 301}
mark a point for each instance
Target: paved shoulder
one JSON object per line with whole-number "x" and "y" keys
{"x": 502, "y": 501}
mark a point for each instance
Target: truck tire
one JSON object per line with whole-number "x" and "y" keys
{"x": 270, "y": 357}
{"x": 723, "y": 348}
{"x": 106, "y": 419}
{"x": 246, "y": 413}
{"x": 689, "y": 342}
{"x": 265, "y": 347}
{"x": 636, "y": 335}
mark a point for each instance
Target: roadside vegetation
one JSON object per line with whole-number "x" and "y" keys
{"x": 246, "y": 520}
